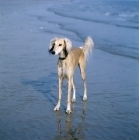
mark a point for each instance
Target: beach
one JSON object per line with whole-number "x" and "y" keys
{"x": 28, "y": 73}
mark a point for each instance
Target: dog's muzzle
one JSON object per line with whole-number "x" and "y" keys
{"x": 52, "y": 51}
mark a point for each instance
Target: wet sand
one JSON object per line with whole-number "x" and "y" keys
{"x": 29, "y": 84}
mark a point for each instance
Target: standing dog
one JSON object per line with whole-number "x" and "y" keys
{"x": 69, "y": 58}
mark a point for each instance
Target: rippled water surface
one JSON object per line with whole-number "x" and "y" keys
{"x": 28, "y": 74}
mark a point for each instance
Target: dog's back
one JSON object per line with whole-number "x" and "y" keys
{"x": 74, "y": 57}
{"x": 81, "y": 54}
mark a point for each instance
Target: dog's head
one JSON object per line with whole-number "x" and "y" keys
{"x": 59, "y": 45}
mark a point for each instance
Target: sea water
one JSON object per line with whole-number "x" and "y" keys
{"x": 113, "y": 24}
{"x": 28, "y": 74}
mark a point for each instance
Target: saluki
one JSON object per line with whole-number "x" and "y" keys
{"x": 69, "y": 58}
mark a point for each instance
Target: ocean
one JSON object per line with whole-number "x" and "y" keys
{"x": 28, "y": 73}
{"x": 113, "y": 24}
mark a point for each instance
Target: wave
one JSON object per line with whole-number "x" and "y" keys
{"x": 113, "y": 36}
{"x": 121, "y": 53}
{"x": 84, "y": 17}
{"x": 107, "y": 14}
{"x": 127, "y": 15}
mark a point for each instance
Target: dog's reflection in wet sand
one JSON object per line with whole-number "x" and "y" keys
{"x": 71, "y": 126}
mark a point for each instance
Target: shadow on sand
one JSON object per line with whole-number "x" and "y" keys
{"x": 48, "y": 86}
{"x": 45, "y": 85}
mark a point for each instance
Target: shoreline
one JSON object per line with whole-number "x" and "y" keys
{"x": 29, "y": 85}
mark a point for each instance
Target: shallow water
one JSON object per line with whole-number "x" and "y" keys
{"x": 28, "y": 76}
{"x": 113, "y": 24}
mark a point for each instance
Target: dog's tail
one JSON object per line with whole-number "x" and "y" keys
{"x": 88, "y": 47}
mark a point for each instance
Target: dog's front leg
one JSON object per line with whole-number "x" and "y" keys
{"x": 59, "y": 94}
{"x": 69, "y": 96}
{"x": 74, "y": 91}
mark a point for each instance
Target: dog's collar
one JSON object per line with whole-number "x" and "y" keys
{"x": 63, "y": 58}
{"x": 60, "y": 58}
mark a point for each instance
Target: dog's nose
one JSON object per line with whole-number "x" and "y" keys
{"x": 53, "y": 52}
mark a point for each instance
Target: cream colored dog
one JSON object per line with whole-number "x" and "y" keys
{"x": 69, "y": 58}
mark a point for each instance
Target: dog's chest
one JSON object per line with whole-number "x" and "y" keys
{"x": 62, "y": 69}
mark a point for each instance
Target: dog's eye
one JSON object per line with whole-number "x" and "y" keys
{"x": 60, "y": 44}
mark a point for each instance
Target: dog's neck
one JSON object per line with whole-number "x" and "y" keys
{"x": 63, "y": 54}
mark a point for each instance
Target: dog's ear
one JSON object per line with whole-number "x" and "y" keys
{"x": 52, "y": 44}
{"x": 68, "y": 44}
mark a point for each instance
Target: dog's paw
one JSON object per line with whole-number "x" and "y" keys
{"x": 84, "y": 98}
{"x": 56, "y": 108}
{"x": 68, "y": 111}
{"x": 73, "y": 100}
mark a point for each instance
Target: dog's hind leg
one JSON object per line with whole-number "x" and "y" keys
{"x": 83, "y": 75}
{"x": 59, "y": 94}
{"x": 74, "y": 91}
{"x": 85, "y": 85}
